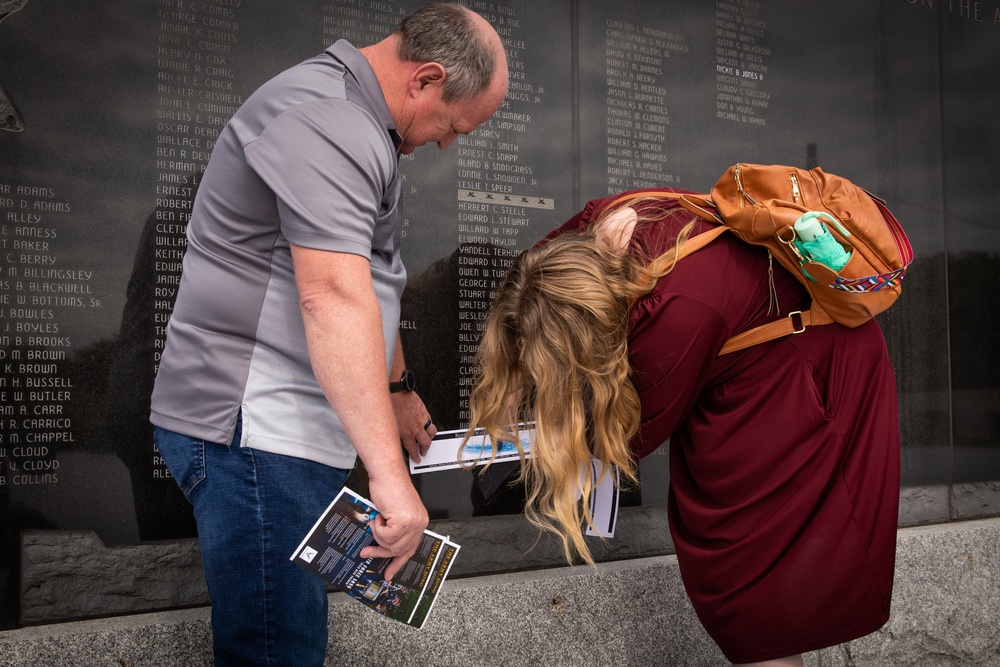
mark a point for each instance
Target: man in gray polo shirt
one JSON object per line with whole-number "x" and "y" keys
{"x": 284, "y": 336}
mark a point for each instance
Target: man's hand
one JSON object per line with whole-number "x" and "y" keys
{"x": 400, "y": 523}
{"x": 412, "y": 420}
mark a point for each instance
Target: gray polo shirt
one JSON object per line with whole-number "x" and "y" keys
{"x": 309, "y": 159}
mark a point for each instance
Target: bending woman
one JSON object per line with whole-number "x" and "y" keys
{"x": 784, "y": 457}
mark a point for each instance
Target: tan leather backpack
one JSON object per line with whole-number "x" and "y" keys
{"x": 761, "y": 203}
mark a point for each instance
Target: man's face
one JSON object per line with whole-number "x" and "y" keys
{"x": 437, "y": 121}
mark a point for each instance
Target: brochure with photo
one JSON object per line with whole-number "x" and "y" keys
{"x": 332, "y": 550}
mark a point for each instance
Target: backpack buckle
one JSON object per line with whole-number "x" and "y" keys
{"x": 797, "y": 322}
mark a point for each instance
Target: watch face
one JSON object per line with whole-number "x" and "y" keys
{"x": 409, "y": 381}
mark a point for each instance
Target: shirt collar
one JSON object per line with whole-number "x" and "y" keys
{"x": 362, "y": 71}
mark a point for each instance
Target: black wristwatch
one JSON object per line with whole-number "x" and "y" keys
{"x": 407, "y": 382}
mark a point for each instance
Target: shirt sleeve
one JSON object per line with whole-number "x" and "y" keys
{"x": 328, "y": 163}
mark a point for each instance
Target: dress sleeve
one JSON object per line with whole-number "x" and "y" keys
{"x": 673, "y": 340}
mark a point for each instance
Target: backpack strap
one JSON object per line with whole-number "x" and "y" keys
{"x": 700, "y": 205}
{"x": 640, "y": 194}
{"x": 697, "y": 204}
{"x": 692, "y": 244}
{"x": 698, "y": 242}
{"x": 794, "y": 323}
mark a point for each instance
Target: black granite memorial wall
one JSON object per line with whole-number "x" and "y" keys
{"x": 108, "y": 113}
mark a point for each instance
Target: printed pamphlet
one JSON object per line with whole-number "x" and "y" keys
{"x": 332, "y": 550}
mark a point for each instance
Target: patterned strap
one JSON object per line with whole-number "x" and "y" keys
{"x": 874, "y": 283}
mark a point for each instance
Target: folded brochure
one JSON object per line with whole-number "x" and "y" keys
{"x": 332, "y": 550}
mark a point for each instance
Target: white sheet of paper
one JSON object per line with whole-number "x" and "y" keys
{"x": 603, "y": 500}
{"x": 443, "y": 455}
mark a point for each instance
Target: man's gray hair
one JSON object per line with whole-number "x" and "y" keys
{"x": 446, "y": 33}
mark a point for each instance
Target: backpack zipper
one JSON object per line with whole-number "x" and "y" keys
{"x": 738, "y": 177}
{"x": 796, "y": 194}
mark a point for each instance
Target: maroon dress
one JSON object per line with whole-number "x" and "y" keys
{"x": 784, "y": 457}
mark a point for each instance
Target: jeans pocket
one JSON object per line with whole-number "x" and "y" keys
{"x": 184, "y": 457}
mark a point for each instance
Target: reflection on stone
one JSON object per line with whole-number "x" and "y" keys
{"x": 160, "y": 508}
{"x": 10, "y": 118}
{"x": 440, "y": 346}
{"x": 440, "y": 343}
{"x": 8, "y": 7}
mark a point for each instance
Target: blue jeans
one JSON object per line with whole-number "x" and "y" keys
{"x": 253, "y": 509}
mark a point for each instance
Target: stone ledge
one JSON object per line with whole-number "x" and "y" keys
{"x": 946, "y": 600}
{"x": 70, "y": 576}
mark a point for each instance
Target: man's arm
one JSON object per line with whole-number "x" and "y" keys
{"x": 343, "y": 327}
{"x": 411, "y": 414}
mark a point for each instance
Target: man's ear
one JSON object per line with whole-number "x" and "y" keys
{"x": 427, "y": 75}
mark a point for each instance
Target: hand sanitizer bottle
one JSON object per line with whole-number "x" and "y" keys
{"x": 817, "y": 243}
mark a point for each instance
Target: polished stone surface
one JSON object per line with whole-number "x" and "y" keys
{"x": 945, "y": 604}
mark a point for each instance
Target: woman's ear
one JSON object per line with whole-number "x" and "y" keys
{"x": 616, "y": 229}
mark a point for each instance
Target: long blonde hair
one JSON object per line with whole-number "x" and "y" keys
{"x": 554, "y": 351}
